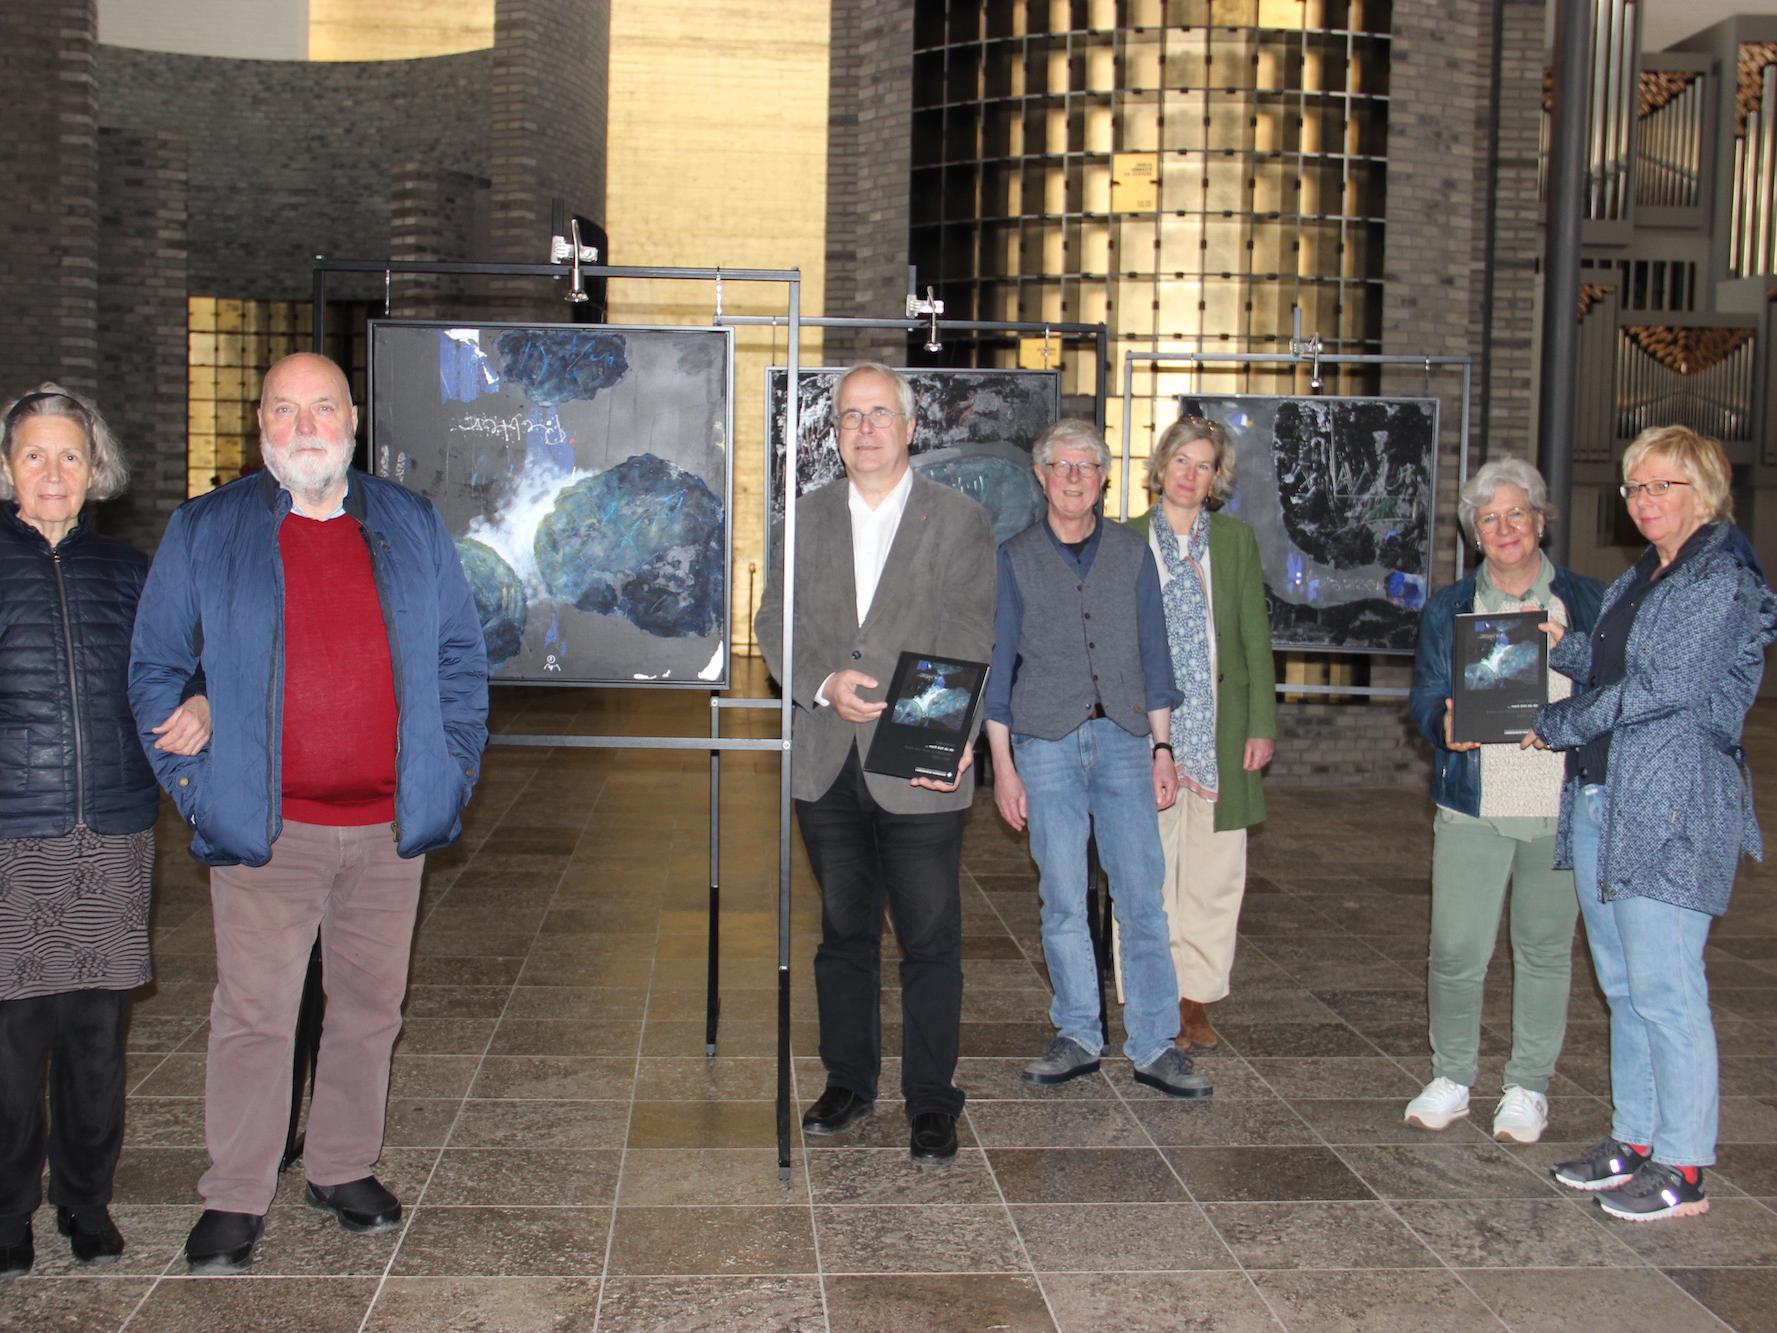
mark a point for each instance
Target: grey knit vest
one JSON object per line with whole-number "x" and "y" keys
{"x": 1077, "y": 645}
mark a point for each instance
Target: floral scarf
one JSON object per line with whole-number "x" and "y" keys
{"x": 1186, "y": 598}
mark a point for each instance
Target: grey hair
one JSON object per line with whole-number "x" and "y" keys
{"x": 1070, "y": 433}
{"x": 1480, "y": 489}
{"x": 110, "y": 473}
{"x": 903, "y": 389}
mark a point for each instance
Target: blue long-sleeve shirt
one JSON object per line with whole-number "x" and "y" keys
{"x": 1150, "y": 628}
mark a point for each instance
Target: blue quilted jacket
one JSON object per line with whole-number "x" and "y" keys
{"x": 1678, "y": 808}
{"x": 68, "y": 748}
{"x": 216, "y": 593}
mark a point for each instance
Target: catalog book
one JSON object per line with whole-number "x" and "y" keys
{"x": 933, "y": 704}
{"x": 1499, "y": 675}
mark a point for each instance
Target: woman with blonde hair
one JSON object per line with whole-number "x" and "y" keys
{"x": 1223, "y": 734}
{"x": 1657, "y": 809}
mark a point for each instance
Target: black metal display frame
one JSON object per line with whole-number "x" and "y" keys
{"x": 310, "y": 1014}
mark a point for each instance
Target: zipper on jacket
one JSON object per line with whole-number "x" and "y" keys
{"x": 274, "y": 698}
{"x": 373, "y": 543}
{"x": 55, "y": 562}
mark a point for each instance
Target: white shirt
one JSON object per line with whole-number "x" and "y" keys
{"x": 872, "y": 533}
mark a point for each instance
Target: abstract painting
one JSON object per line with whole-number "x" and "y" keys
{"x": 974, "y": 432}
{"x": 584, "y": 472}
{"x": 1339, "y": 493}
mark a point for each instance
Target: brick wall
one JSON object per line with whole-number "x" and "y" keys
{"x": 869, "y": 160}
{"x": 1330, "y": 744}
{"x": 291, "y": 160}
{"x": 144, "y": 206}
{"x": 547, "y": 94}
{"x": 48, "y": 198}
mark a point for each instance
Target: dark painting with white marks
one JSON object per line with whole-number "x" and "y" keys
{"x": 974, "y": 431}
{"x": 1339, "y": 493}
{"x": 584, "y": 472}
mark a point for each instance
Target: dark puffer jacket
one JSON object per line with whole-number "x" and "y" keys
{"x": 68, "y": 747}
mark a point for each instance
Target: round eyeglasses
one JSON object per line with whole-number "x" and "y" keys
{"x": 1498, "y": 520}
{"x": 880, "y": 418}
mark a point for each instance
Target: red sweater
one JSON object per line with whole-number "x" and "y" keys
{"x": 339, "y": 686}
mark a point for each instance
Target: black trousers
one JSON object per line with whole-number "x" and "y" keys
{"x": 79, "y": 1034}
{"x": 867, "y": 858}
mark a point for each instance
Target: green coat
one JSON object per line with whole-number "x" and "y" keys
{"x": 1246, "y": 679}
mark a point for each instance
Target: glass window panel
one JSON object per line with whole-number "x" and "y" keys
{"x": 1271, "y": 302}
{"x": 200, "y": 416}
{"x": 228, "y": 316}
{"x": 1223, "y": 300}
{"x": 201, "y": 349}
{"x": 1095, "y": 247}
{"x": 1229, "y": 118}
{"x": 1274, "y": 187}
{"x": 1181, "y": 244}
{"x": 1225, "y": 251}
{"x": 1226, "y": 189}
{"x": 1179, "y": 316}
{"x": 1272, "y": 250}
{"x": 200, "y": 313}
{"x": 1138, "y": 126}
{"x": 1134, "y": 305}
{"x": 202, "y": 382}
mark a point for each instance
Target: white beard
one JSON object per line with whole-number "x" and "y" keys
{"x": 304, "y": 473}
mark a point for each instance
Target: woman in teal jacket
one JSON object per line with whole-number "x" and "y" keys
{"x": 1224, "y": 733}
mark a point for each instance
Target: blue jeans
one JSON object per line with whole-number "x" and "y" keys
{"x": 1648, "y": 957}
{"x": 1103, "y": 772}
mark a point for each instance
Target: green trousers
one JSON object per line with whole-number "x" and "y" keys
{"x": 1472, "y": 862}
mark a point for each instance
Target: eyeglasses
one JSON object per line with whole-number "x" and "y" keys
{"x": 1631, "y": 489}
{"x": 1494, "y": 520}
{"x": 1073, "y": 471}
{"x": 880, "y": 418}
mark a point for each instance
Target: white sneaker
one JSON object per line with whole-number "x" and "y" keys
{"x": 1521, "y": 1116}
{"x": 1438, "y": 1105}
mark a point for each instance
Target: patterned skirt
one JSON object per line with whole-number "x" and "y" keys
{"x": 74, "y": 913}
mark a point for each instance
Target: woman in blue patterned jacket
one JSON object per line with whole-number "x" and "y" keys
{"x": 1657, "y": 809}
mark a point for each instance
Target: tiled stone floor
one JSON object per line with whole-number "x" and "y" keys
{"x": 570, "y": 1159}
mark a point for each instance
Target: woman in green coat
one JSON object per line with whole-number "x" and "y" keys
{"x": 1223, "y": 734}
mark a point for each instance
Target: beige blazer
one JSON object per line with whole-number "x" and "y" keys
{"x": 936, "y": 595}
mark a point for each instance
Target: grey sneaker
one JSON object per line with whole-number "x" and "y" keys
{"x": 1064, "y": 1059}
{"x": 1171, "y": 1072}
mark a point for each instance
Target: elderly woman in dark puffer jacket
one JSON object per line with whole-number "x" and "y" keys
{"x": 1656, "y": 810}
{"x": 77, "y": 809}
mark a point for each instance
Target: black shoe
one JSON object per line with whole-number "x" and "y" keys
{"x": 1606, "y": 1165}
{"x": 362, "y": 1205}
{"x": 91, "y": 1233}
{"x": 934, "y": 1137}
{"x": 834, "y": 1110}
{"x": 17, "y": 1256}
{"x": 223, "y": 1242}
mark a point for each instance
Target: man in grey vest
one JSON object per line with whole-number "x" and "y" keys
{"x": 1078, "y": 710}
{"x": 886, "y": 562}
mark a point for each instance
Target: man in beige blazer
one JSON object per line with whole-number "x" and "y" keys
{"x": 886, "y": 562}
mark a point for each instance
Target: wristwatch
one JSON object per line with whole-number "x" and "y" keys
{"x": 1163, "y": 745}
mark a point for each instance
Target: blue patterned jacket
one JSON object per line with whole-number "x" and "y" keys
{"x": 1678, "y": 808}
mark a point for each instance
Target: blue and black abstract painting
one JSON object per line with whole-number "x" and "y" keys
{"x": 584, "y": 474}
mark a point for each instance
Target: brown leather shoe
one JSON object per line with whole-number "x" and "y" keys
{"x": 1194, "y": 1031}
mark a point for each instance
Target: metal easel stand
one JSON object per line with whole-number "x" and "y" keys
{"x": 934, "y": 326}
{"x": 1308, "y": 352}
{"x": 573, "y": 263}
{"x": 926, "y": 316}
